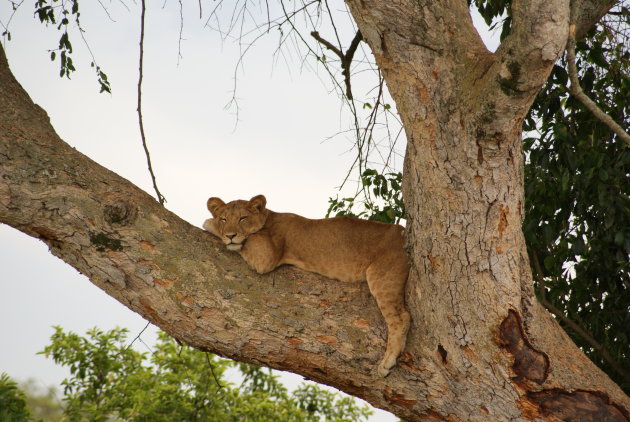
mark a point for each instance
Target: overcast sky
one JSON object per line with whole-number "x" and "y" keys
{"x": 279, "y": 147}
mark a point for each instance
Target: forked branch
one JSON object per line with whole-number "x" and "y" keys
{"x": 346, "y": 58}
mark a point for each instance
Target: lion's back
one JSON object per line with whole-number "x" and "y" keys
{"x": 340, "y": 247}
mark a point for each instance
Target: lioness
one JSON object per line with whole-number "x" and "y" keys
{"x": 347, "y": 249}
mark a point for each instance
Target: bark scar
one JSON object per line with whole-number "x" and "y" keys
{"x": 103, "y": 242}
{"x": 529, "y": 363}
{"x": 580, "y": 405}
{"x": 443, "y": 353}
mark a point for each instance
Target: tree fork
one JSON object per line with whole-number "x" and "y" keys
{"x": 462, "y": 108}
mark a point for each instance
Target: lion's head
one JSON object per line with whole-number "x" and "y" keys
{"x": 236, "y": 220}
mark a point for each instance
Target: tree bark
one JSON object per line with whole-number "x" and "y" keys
{"x": 462, "y": 108}
{"x": 480, "y": 347}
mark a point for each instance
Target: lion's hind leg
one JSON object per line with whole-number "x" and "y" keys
{"x": 386, "y": 279}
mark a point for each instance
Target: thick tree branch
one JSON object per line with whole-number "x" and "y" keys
{"x": 479, "y": 347}
{"x": 577, "y": 92}
{"x": 176, "y": 275}
{"x": 586, "y": 13}
{"x": 521, "y": 65}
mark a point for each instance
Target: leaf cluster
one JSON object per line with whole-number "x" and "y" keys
{"x": 380, "y": 199}
{"x": 111, "y": 381}
{"x": 61, "y": 13}
{"x": 577, "y": 181}
{"x": 12, "y": 401}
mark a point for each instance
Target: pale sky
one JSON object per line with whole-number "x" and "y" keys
{"x": 278, "y": 147}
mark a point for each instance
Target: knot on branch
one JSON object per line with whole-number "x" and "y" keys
{"x": 120, "y": 213}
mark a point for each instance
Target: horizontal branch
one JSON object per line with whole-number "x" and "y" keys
{"x": 176, "y": 275}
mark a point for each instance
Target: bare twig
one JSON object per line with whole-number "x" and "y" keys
{"x": 578, "y": 93}
{"x": 160, "y": 197}
{"x": 106, "y": 11}
{"x": 350, "y": 60}
{"x": 138, "y": 336}
{"x": 212, "y": 370}
{"x": 181, "y": 30}
{"x": 6, "y": 34}
{"x": 327, "y": 44}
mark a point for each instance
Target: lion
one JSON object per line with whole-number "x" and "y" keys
{"x": 344, "y": 248}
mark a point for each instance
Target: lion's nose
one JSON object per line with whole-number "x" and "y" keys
{"x": 230, "y": 236}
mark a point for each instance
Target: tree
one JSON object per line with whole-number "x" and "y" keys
{"x": 576, "y": 222}
{"x": 577, "y": 198}
{"x": 43, "y": 403}
{"x": 110, "y": 380}
{"x": 480, "y": 346}
{"x": 12, "y": 401}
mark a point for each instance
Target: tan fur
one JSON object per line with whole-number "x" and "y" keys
{"x": 347, "y": 249}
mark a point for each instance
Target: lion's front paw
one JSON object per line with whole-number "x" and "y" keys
{"x": 208, "y": 225}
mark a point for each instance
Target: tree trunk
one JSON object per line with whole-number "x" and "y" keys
{"x": 462, "y": 108}
{"x": 480, "y": 347}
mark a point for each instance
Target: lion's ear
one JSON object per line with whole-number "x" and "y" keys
{"x": 258, "y": 202}
{"x": 214, "y": 204}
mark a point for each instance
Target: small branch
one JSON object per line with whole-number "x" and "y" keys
{"x": 138, "y": 336}
{"x": 353, "y": 45}
{"x": 7, "y": 34}
{"x": 577, "y": 328}
{"x": 346, "y": 62}
{"x": 106, "y": 11}
{"x": 212, "y": 370}
{"x": 603, "y": 352}
{"x": 327, "y": 44}
{"x": 346, "y": 59}
{"x": 181, "y": 30}
{"x": 578, "y": 93}
{"x": 160, "y": 197}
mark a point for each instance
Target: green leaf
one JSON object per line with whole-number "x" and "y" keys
{"x": 565, "y": 181}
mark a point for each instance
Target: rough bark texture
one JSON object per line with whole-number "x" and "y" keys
{"x": 480, "y": 347}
